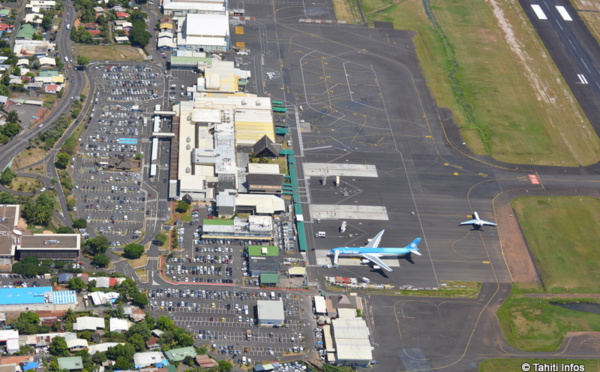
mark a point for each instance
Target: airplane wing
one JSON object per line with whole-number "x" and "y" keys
{"x": 488, "y": 223}
{"x": 469, "y": 222}
{"x": 376, "y": 260}
{"x": 374, "y": 243}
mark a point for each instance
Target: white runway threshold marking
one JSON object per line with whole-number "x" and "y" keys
{"x": 337, "y": 169}
{"x": 582, "y": 79}
{"x": 347, "y": 212}
{"x": 538, "y": 11}
{"x": 563, "y": 13}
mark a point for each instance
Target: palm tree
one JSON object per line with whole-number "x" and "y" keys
{"x": 70, "y": 316}
{"x": 13, "y": 117}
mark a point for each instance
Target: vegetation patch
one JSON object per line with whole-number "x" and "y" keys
{"x": 26, "y": 184}
{"x": 533, "y": 324}
{"x": 347, "y": 10}
{"x": 493, "y": 365}
{"x": 114, "y": 53}
{"x": 28, "y": 157}
{"x": 590, "y": 8}
{"x": 562, "y": 234}
{"x": 505, "y": 107}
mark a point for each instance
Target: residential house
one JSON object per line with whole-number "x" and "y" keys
{"x": 34, "y": 18}
{"x": 52, "y": 88}
{"x": 77, "y": 344}
{"x": 122, "y": 15}
{"x": 148, "y": 358}
{"x": 88, "y": 323}
{"x": 26, "y": 32}
{"x": 152, "y": 343}
{"x": 119, "y": 325}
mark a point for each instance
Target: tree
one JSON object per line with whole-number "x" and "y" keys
{"x": 139, "y": 299}
{"x": 65, "y": 230}
{"x": 123, "y": 363}
{"x": 7, "y": 176}
{"x": 99, "y": 358}
{"x": 140, "y": 329}
{"x": 58, "y": 347}
{"x": 7, "y": 198}
{"x": 182, "y": 206}
{"x": 165, "y": 323}
{"x": 70, "y": 316}
{"x": 46, "y": 22}
{"x": 62, "y": 160}
{"x": 27, "y": 266}
{"x": 96, "y": 245}
{"x": 13, "y": 116}
{"x": 138, "y": 342}
{"x": 76, "y": 284}
{"x": 80, "y": 223}
{"x": 101, "y": 260}
{"x": 40, "y": 211}
{"x": 189, "y": 360}
{"x": 83, "y": 60}
{"x": 11, "y": 129}
{"x": 225, "y": 366}
{"x": 133, "y": 251}
{"x": 161, "y": 238}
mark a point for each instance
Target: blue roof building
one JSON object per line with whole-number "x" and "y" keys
{"x": 36, "y": 298}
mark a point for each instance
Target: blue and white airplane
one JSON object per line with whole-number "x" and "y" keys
{"x": 477, "y": 223}
{"x": 372, "y": 253}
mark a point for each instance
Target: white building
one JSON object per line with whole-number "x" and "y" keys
{"x": 270, "y": 313}
{"x": 351, "y": 340}
{"x": 204, "y": 32}
{"x": 88, "y": 323}
{"x": 147, "y": 358}
{"x": 183, "y": 7}
{"x": 119, "y": 325}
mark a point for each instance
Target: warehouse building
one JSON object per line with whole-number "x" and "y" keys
{"x": 351, "y": 340}
{"x": 270, "y": 313}
{"x": 204, "y": 33}
{"x": 183, "y": 7}
{"x": 36, "y": 298}
{"x": 253, "y": 228}
{"x": 263, "y": 265}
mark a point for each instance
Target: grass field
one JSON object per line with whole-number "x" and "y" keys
{"x": 114, "y": 53}
{"x": 26, "y": 184}
{"x": 494, "y": 365}
{"x": 506, "y": 106}
{"x": 28, "y": 157}
{"x": 532, "y": 324}
{"x": 563, "y": 234}
{"x": 347, "y": 10}
{"x": 591, "y": 19}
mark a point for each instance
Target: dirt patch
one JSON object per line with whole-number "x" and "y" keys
{"x": 110, "y": 52}
{"x": 26, "y": 184}
{"x": 514, "y": 248}
{"x": 28, "y": 157}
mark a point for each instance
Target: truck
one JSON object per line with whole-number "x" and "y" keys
{"x": 249, "y": 335}
{"x": 320, "y": 234}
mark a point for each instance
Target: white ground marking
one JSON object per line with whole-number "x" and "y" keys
{"x": 347, "y": 212}
{"x": 582, "y": 79}
{"x": 538, "y": 11}
{"x": 563, "y": 13}
{"x": 335, "y": 169}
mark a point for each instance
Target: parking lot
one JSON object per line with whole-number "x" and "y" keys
{"x": 108, "y": 173}
{"x": 227, "y": 318}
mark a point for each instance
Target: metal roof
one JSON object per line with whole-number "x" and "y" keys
{"x": 17, "y": 296}
{"x": 270, "y": 310}
{"x": 269, "y": 278}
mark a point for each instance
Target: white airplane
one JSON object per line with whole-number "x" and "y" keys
{"x": 371, "y": 252}
{"x": 477, "y": 223}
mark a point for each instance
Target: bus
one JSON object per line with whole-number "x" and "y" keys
{"x": 281, "y": 110}
{"x": 277, "y": 103}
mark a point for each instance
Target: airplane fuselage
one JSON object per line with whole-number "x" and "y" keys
{"x": 381, "y": 252}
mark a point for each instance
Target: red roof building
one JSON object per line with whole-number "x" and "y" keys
{"x": 52, "y": 88}
{"x": 4, "y": 27}
{"x": 122, "y": 15}
{"x": 95, "y": 32}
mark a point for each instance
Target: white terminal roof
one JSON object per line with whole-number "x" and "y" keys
{"x": 206, "y": 5}
{"x": 259, "y": 168}
{"x": 320, "y": 307}
{"x": 270, "y": 310}
{"x": 351, "y": 337}
{"x": 206, "y": 25}
{"x": 264, "y": 204}
{"x": 260, "y": 223}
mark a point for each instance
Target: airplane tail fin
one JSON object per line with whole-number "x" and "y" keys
{"x": 335, "y": 257}
{"x": 413, "y": 246}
